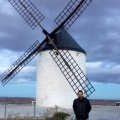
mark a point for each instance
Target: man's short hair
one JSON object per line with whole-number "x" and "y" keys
{"x": 80, "y": 91}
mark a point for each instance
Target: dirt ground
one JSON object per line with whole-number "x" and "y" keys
{"x": 98, "y": 112}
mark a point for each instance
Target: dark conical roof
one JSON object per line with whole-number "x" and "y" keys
{"x": 68, "y": 42}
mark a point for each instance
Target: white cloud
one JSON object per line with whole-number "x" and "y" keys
{"x": 100, "y": 67}
{"x": 100, "y": 83}
{"x": 6, "y": 8}
{"x": 23, "y": 82}
{"x": 7, "y": 57}
{"x": 3, "y": 34}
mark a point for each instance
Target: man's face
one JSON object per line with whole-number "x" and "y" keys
{"x": 80, "y": 95}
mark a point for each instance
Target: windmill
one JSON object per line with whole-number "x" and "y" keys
{"x": 58, "y": 50}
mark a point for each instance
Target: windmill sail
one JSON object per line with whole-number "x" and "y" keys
{"x": 33, "y": 17}
{"x": 73, "y": 10}
{"x": 72, "y": 72}
{"x": 20, "y": 63}
{"x": 67, "y": 17}
{"x": 28, "y": 11}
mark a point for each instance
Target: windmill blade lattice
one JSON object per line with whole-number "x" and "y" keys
{"x": 20, "y": 63}
{"x": 28, "y": 11}
{"x": 79, "y": 5}
{"x": 72, "y": 72}
{"x": 63, "y": 58}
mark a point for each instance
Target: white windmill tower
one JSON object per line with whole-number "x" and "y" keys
{"x": 52, "y": 87}
{"x": 61, "y": 60}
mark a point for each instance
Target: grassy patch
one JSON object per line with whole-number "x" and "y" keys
{"x": 59, "y": 116}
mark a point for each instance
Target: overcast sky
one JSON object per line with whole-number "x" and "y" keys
{"x": 97, "y": 30}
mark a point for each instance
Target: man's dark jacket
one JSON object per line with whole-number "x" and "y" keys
{"x": 81, "y": 108}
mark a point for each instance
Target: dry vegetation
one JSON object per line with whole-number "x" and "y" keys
{"x": 51, "y": 114}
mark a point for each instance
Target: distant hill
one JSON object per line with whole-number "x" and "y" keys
{"x": 103, "y": 102}
{"x": 16, "y": 100}
{"x": 22, "y": 100}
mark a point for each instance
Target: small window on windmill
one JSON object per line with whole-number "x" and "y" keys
{"x": 117, "y": 104}
{"x": 56, "y": 52}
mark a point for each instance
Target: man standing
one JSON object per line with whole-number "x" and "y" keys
{"x": 81, "y": 107}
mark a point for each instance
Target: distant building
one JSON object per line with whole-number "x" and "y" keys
{"x": 117, "y": 104}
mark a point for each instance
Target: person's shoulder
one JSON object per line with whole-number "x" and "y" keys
{"x": 86, "y": 99}
{"x": 76, "y": 99}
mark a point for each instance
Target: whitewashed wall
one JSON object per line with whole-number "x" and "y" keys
{"x": 52, "y": 87}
